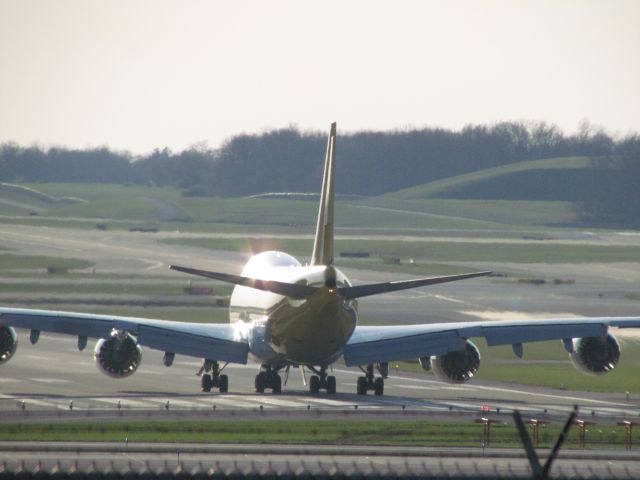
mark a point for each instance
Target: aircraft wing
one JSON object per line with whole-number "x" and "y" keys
{"x": 377, "y": 344}
{"x": 204, "y": 340}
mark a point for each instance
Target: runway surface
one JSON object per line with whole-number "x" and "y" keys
{"x": 53, "y": 376}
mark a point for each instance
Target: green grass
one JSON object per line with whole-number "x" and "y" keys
{"x": 440, "y": 187}
{"x": 547, "y": 364}
{"x": 29, "y": 262}
{"x": 429, "y": 251}
{"x": 381, "y": 432}
{"x": 119, "y": 203}
{"x": 488, "y": 214}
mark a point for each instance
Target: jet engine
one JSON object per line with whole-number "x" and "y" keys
{"x": 595, "y": 355}
{"x": 119, "y": 355}
{"x": 458, "y": 366}
{"x": 8, "y": 343}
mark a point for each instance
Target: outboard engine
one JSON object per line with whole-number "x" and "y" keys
{"x": 458, "y": 366}
{"x": 119, "y": 355}
{"x": 8, "y": 343}
{"x": 595, "y": 355}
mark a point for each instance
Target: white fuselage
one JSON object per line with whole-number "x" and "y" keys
{"x": 281, "y": 330}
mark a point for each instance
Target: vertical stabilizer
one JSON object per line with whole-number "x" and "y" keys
{"x": 323, "y": 244}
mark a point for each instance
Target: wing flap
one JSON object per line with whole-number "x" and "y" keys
{"x": 509, "y": 335}
{"x": 192, "y": 345}
{"x": 415, "y": 346}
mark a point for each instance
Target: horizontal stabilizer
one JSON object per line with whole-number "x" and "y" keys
{"x": 292, "y": 290}
{"x": 386, "y": 287}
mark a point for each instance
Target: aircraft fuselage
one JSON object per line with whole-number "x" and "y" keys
{"x": 281, "y": 330}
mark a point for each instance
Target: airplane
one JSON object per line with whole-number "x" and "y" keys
{"x": 285, "y": 314}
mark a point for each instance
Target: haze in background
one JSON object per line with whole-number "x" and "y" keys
{"x": 140, "y": 75}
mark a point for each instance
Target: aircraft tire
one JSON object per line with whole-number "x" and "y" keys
{"x": 223, "y": 384}
{"x": 314, "y": 384}
{"x": 331, "y": 384}
{"x": 362, "y": 385}
{"x": 277, "y": 384}
{"x": 206, "y": 382}
{"x": 260, "y": 382}
{"x": 378, "y": 386}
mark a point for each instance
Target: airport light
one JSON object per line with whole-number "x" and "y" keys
{"x": 486, "y": 431}
{"x": 628, "y": 432}
{"x": 582, "y": 430}
{"x": 535, "y": 423}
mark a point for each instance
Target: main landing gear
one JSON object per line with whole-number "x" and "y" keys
{"x": 322, "y": 381}
{"x": 213, "y": 379}
{"x": 370, "y": 382}
{"x": 268, "y": 378}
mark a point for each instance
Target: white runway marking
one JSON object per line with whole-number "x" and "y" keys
{"x": 326, "y": 401}
{"x": 11, "y": 380}
{"x": 280, "y": 402}
{"x": 50, "y": 380}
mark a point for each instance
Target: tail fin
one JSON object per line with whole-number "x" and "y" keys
{"x": 323, "y": 244}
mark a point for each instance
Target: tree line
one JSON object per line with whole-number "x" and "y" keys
{"x": 369, "y": 162}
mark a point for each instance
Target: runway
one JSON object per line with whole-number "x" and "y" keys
{"x": 53, "y": 377}
{"x": 52, "y": 374}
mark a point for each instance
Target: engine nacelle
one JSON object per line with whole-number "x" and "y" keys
{"x": 118, "y": 356}
{"x": 8, "y": 343}
{"x": 459, "y": 366}
{"x": 595, "y": 355}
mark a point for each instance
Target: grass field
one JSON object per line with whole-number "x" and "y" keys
{"x": 410, "y": 433}
{"x": 166, "y": 209}
{"x": 488, "y": 214}
{"x": 433, "y": 251}
{"x": 23, "y": 262}
{"x": 440, "y": 187}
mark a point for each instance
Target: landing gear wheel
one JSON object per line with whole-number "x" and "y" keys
{"x": 314, "y": 384}
{"x": 378, "y": 386}
{"x": 331, "y": 384}
{"x": 276, "y": 384}
{"x": 370, "y": 382}
{"x": 362, "y": 385}
{"x": 223, "y": 384}
{"x": 210, "y": 376}
{"x": 206, "y": 382}
{"x": 260, "y": 383}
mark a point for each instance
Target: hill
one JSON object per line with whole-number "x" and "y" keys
{"x": 554, "y": 179}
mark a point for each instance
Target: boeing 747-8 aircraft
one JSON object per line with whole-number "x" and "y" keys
{"x": 284, "y": 314}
